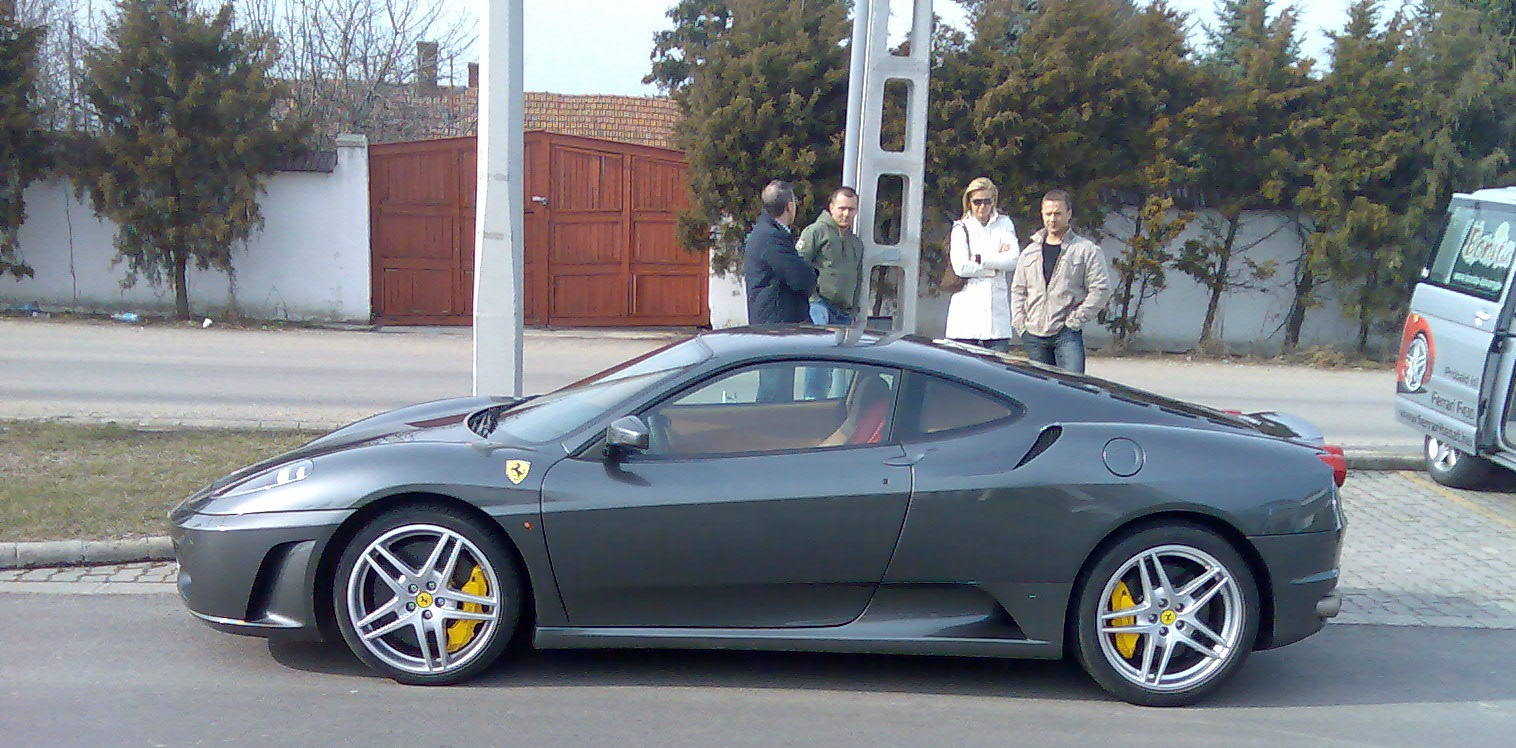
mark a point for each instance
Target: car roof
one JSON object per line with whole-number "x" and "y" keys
{"x": 1505, "y": 195}
{"x": 846, "y": 342}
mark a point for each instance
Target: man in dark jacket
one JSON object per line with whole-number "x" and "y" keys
{"x": 779, "y": 282}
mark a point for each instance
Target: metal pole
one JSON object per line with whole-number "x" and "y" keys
{"x": 498, "y": 240}
{"x": 855, "y": 86}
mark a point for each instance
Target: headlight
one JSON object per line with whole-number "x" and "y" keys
{"x": 274, "y": 477}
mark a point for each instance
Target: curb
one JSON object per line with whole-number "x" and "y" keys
{"x": 160, "y": 548}
{"x": 85, "y": 552}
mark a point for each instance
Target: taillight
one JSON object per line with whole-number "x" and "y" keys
{"x": 1331, "y": 454}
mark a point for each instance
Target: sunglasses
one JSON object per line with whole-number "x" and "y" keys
{"x": 980, "y": 202}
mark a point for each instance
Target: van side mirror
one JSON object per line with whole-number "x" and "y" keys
{"x": 627, "y": 434}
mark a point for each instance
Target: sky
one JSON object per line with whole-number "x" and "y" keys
{"x": 603, "y": 45}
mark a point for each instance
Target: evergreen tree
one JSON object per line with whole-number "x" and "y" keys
{"x": 1363, "y": 156}
{"x": 768, "y": 101}
{"x": 1466, "y": 69}
{"x": 186, "y": 134}
{"x": 1256, "y": 87}
{"x": 679, "y": 52}
{"x": 21, "y": 142}
{"x": 1165, "y": 82}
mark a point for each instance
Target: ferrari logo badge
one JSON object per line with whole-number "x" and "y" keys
{"x": 516, "y": 470}
{"x": 1167, "y": 617}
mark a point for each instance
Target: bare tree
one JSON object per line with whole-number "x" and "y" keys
{"x": 389, "y": 69}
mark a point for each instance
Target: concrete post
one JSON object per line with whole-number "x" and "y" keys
{"x": 875, "y": 66}
{"x": 498, "y": 239}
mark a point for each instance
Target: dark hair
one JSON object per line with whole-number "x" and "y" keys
{"x": 843, "y": 191}
{"x": 777, "y": 197}
{"x": 1059, "y": 196}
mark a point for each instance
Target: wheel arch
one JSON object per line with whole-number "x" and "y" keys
{"x": 1226, "y": 531}
{"x": 331, "y": 555}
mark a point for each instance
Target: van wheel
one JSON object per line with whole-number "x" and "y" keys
{"x": 1450, "y": 467}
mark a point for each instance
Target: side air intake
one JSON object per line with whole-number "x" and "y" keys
{"x": 1044, "y": 440}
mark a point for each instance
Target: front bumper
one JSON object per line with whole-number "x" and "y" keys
{"x": 253, "y": 574}
{"x": 1303, "y": 570}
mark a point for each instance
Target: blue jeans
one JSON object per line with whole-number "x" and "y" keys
{"x": 818, "y": 380}
{"x": 824, "y": 313}
{"x": 1063, "y": 349}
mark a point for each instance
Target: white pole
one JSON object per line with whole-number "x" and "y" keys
{"x": 855, "y": 85}
{"x": 498, "y": 240}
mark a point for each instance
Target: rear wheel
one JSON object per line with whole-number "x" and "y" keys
{"x": 1451, "y": 467}
{"x": 426, "y": 596}
{"x": 1166, "y": 615}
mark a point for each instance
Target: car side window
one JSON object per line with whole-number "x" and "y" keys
{"x": 940, "y": 407}
{"x": 776, "y": 407}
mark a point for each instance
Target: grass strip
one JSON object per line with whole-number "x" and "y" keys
{"x": 99, "y": 482}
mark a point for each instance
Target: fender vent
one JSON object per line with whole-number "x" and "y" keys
{"x": 1044, "y": 440}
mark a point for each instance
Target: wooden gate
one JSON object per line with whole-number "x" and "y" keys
{"x": 599, "y": 234}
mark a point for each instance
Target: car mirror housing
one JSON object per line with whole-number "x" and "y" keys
{"x": 628, "y": 433}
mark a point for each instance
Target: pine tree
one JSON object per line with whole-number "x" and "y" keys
{"x": 21, "y": 143}
{"x": 1166, "y": 86}
{"x": 1256, "y": 87}
{"x": 768, "y": 101}
{"x": 1364, "y": 155}
{"x": 1466, "y": 69}
{"x": 186, "y": 134}
{"x": 679, "y": 52}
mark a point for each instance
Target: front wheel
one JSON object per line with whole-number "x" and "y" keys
{"x": 1166, "y": 615}
{"x": 1451, "y": 467}
{"x": 426, "y": 596}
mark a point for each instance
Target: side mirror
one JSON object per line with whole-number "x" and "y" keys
{"x": 628, "y": 433}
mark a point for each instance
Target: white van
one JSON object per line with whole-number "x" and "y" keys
{"x": 1453, "y": 381}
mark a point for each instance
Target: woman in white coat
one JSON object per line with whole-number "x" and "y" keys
{"x": 983, "y": 250}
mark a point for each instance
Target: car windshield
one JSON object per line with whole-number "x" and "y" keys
{"x": 559, "y": 413}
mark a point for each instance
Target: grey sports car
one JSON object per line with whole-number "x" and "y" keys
{"x": 819, "y": 489}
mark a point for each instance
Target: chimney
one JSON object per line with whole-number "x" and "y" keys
{"x": 426, "y": 68}
{"x": 473, "y": 75}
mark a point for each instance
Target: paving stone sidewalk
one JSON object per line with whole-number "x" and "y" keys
{"x": 1417, "y": 554}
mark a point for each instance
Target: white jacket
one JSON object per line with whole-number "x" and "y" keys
{"x": 981, "y": 310}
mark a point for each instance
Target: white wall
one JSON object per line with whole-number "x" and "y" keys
{"x": 310, "y": 261}
{"x": 1249, "y": 321}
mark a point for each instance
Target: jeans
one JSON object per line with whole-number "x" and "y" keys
{"x": 823, "y": 313}
{"x": 818, "y": 379}
{"x": 1063, "y": 349}
{"x": 1003, "y": 345}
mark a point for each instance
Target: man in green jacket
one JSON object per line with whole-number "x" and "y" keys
{"x": 830, "y": 246}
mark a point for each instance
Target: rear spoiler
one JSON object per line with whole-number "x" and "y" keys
{"x": 1297, "y": 429}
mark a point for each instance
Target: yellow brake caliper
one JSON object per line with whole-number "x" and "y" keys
{"x": 460, "y": 633}
{"x": 1121, "y": 599}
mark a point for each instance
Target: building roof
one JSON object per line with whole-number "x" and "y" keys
{"x": 643, "y": 120}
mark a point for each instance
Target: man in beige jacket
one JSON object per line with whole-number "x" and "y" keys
{"x": 1061, "y": 282}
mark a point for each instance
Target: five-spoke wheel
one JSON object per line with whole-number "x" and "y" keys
{"x": 426, "y": 596}
{"x": 1166, "y": 615}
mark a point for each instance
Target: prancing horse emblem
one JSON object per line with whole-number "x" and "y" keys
{"x": 516, "y": 470}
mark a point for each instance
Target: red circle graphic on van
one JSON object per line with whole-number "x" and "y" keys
{"x": 1416, "y": 355}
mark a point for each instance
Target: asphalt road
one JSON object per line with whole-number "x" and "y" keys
{"x": 184, "y": 374}
{"x": 137, "y": 670}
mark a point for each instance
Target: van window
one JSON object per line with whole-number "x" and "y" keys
{"x": 1475, "y": 254}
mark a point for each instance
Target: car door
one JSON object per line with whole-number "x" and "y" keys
{"x": 1456, "y": 350}
{"x": 748, "y": 510}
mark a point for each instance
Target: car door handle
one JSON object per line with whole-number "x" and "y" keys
{"x": 908, "y": 459}
{"x": 1481, "y": 318}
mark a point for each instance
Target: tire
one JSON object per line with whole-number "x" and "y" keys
{"x": 1453, "y": 468}
{"x": 1188, "y": 629}
{"x": 426, "y": 596}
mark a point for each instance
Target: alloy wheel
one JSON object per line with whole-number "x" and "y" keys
{"x": 423, "y": 599}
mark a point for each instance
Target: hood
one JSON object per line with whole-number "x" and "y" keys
{"x": 439, "y": 420}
